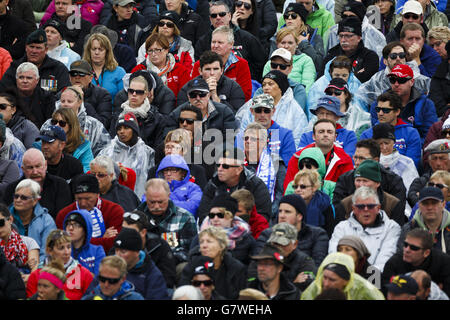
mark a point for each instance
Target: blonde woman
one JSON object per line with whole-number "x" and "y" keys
{"x": 437, "y": 38}
{"x": 51, "y": 282}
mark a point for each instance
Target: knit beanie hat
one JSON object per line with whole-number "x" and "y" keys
{"x": 383, "y": 131}
{"x": 55, "y": 24}
{"x": 350, "y": 24}
{"x": 357, "y": 8}
{"x": 356, "y": 243}
{"x": 296, "y": 201}
{"x": 128, "y": 120}
{"x": 85, "y": 183}
{"x": 339, "y": 269}
{"x": 369, "y": 169}
{"x": 297, "y": 8}
{"x": 128, "y": 239}
{"x": 224, "y": 200}
{"x": 280, "y": 78}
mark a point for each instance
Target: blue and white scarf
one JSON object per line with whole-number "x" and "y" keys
{"x": 266, "y": 171}
{"x": 98, "y": 223}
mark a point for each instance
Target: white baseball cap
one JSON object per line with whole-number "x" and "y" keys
{"x": 282, "y": 53}
{"x": 412, "y": 6}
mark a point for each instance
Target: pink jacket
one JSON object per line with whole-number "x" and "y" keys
{"x": 90, "y": 10}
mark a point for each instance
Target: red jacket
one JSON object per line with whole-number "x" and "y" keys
{"x": 5, "y": 61}
{"x": 257, "y": 223}
{"x": 239, "y": 72}
{"x": 112, "y": 215}
{"x": 339, "y": 164}
{"x": 77, "y": 282}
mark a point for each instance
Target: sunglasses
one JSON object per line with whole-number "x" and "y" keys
{"x": 227, "y": 166}
{"x": 22, "y": 197}
{"x": 138, "y": 92}
{"x": 437, "y": 185}
{"x": 195, "y": 94}
{"x": 198, "y": 283}
{"x": 340, "y": 64}
{"x": 167, "y": 23}
{"x": 110, "y": 280}
{"x": 61, "y": 123}
{"x": 133, "y": 216}
{"x": 3, "y": 106}
{"x": 212, "y": 215}
{"x": 411, "y": 16}
{"x": 252, "y": 139}
{"x": 2, "y": 222}
{"x": 262, "y": 109}
{"x": 99, "y": 175}
{"x": 301, "y": 186}
{"x": 369, "y": 206}
{"x": 246, "y": 5}
{"x": 335, "y": 92}
{"x": 385, "y": 110}
{"x": 187, "y": 120}
{"x": 401, "y": 55}
{"x": 411, "y": 246}
{"x": 308, "y": 164}
{"x": 290, "y": 15}
{"x": 282, "y": 66}
{"x": 171, "y": 170}
{"x": 220, "y": 14}
{"x": 56, "y": 236}
{"x": 393, "y": 80}
{"x": 77, "y": 74}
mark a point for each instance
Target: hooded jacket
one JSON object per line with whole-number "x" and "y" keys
{"x": 357, "y": 287}
{"x": 380, "y": 240}
{"x": 126, "y": 292}
{"x": 23, "y": 129}
{"x": 12, "y": 149}
{"x": 184, "y": 194}
{"x": 111, "y": 80}
{"x": 12, "y": 286}
{"x": 64, "y": 54}
{"x": 401, "y": 165}
{"x": 88, "y": 255}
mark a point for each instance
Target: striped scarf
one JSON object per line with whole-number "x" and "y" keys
{"x": 266, "y": 171}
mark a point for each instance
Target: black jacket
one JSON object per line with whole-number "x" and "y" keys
{"x": 287, "y": 291}
{"x": 418, "y": 184}
{"x": 67, "y": 168}
{"x": 147, "y": 8}
{"x": 362, "y": 58}
{"x": 12, "y": 28}
{"x": 267, "y": 20}
{"x": 40, "y": 105}
{"x": 122, "y": 195}
{"x": 163, "y": 97}
{"x": 247, "y": 181}
{"x": 391, "y": 182}
{"x": 55, "y": 195}
{"x": 49, "y": 69}
{"x": 440, "y": 88}
{"x": 12, "y": 286}
{"x": 229, "y": 92}
{"x": 394, "y": 34}
{"x": 437, "y": 265}
{"x": 24, "y": 11}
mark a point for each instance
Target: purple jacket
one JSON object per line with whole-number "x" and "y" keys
{"x": 90, "y": 11}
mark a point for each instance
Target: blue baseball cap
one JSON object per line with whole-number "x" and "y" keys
{"x": 52, "y": 133}
{"x": 330, "y": 103}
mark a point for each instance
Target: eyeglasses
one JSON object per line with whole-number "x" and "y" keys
{"x": 346, "y": 36}
{"x": 282, "y": 66}
{"x": 369, "y": 206}
{"x": 220, "y": 14}
{"x": 73, "y": 224}
{"x": 437, "y": 185}
{"x": 335, "y": 92}
{"x": 138, "y": 92}
{"x": 301, "y": 186}
{"x": 187, "y": 120}
{"x": 385, "y": 110}
{"x": 212, "y": 215}
{"x": 169, "y": 24}
{"x": 246, "y": 5}
{"x": 401, "y": 55}
{"x": 227, "y": 166}
{"x": 133, "y": 216}
{"x": 152, "y": 51}
{"x": 110, "y": 280}
{"x": 252, "y": 139}
{"x": 99, "y": 175}
{"x": 61, "y": 123}
{"x": 411, "y": 246}
{"x": 195, "y": 94}
{"x": 410, "y": 15}
{"x": 160, "y": 202}
{"x": 171, "y": 170}
{"x": 262, "y": 109}
{"x": 3, "y": 106}
{"x": 2, "y": 222}
{"x": 77, "y": 74}
{"x": 356, "y": 158}
{"x": 393, "y": 80}
{"x": 198, "y": 283}
{"x": 341, "y": 64}
{"x": 22, "y": 197}
{"x": 290, "y": 15}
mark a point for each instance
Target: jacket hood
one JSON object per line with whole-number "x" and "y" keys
{"x": 444, "y": 224}
{"x": 85, "y": 215}
{"x": 351, "y": 77}
{"x": 316, "y": 154}
{"x": 338, "y": 258}
{"x": 176, "y": 161}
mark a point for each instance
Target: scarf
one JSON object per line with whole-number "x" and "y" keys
{"x": 15, "y": 249}
{"x": 98, "y": 224}
{"x": 266, "y": 171}
{"x": 162, "y": 73}
{"x": 175, "y": 45}
{"x": 141, "y": 111}
{"x": 389, "y": 161}
{"x": 234, "y": 233}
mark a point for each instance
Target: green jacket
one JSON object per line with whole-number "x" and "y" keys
{"x": 303, "y": 70}
{"x": 319, "y": 18}
{"x": 433, "y": 17}
{"x": 357, "y": 287}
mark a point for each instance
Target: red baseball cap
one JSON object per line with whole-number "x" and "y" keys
{"x": 402, "y": 71}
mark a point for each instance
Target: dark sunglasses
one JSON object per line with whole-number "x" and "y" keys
{"x": 110, "y": 280}
{"x": 220, "y": 14}
{"x": 411, "y": 16}
{"x": 246, "y": 5}
{"x": 138, "y": 92}
{"x": 212, "y": 215}
{"x": 282, "y": 66}
{"x": 3, "y": 106}
{"x": 307, "y": 163}
{"x": 262, "y": 109}
{"x": 22, "y": 197}
{"x": 399, "y": 80}
{"x": 411, "y": 246}
{"x": 187, "y": 120}
{"x": 169, "y": 24}
{"x": 252, "y": 139}
{"x": 99, "y": 175}
{"x": 335, "y": 92}
{"x": 227, "y": 166}
{"x": 77, "y": 74}
{"x": 198, "y": 283}
{"x": 401, "y": 55}
{"x": 369, "y": 206}
{"x": 195, "y": 94}
{"x": 61, "y": 123}
{"x": 301, "y": 186}
{"x": 292, "y": 15}
{"x": 437, "y": 185}
{"x": 2, "y": 222}
{"x": 385, "y": 110}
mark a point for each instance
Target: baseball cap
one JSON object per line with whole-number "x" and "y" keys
{"x": 197, "y": 84}
{"x": 81, "y": 66}
{"x": 122, "y": 3}
{"x": 403, "y": 284}
{"x": 330, "y": 103}
{"x": 283, "y": 234}
{"x": 282, "y": 53}
{"x": 412, "y": 6}
{"x": 431, "y": 193}
{"x": 402, "y": 71}
{"x": 263, "y": 100}
{"x": 52, "y": 133}
{"x": 271, "y": 252}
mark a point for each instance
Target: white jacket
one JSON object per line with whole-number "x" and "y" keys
{"x": 381, "y": 241}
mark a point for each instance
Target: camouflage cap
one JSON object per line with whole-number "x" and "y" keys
{"x": 283, "y": 234}
{"x": 263, "y": 100}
